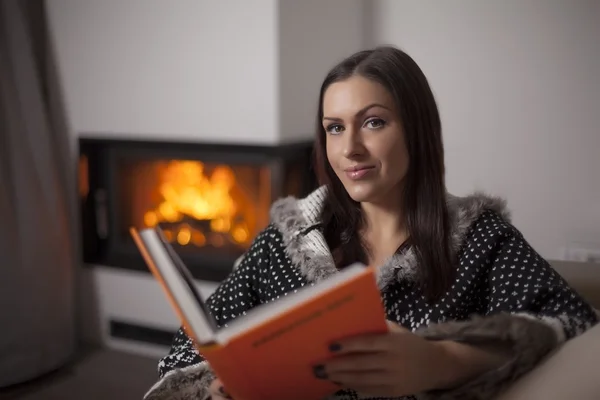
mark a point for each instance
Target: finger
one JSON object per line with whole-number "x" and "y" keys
{"x": 217, "y": 390}
{"x": 355, "y": 362}
{"x": 214, "y": 386}
{"x": 218, "y": 397}
{"x": 223, "y": 393}
{"x": 361, "y": 379}
{"x": 362, "y": 344}
{"x": 369, "y": 391}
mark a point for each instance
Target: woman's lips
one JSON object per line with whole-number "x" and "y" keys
{"x": 358, "y": 172}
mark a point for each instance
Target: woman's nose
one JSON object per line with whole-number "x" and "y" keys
{"x": 353, "y": 144}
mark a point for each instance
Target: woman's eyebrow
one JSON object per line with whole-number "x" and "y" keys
{"x": 359, "y": 113}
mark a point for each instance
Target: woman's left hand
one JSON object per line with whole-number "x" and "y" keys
{"x": 395, "y": 364}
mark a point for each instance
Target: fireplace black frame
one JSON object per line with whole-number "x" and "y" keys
{"x": 99, "y": 236}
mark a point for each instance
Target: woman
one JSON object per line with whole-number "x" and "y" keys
{"x": 471, "y": 305}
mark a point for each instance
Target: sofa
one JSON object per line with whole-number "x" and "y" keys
{"x": 570, "y": 372}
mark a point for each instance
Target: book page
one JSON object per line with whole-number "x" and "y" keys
{"x": 184, "y": 295}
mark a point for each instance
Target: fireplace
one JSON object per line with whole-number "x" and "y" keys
{"x": 210, "y": 199}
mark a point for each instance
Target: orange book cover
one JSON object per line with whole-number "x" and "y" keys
{"x": 273, "y": 360}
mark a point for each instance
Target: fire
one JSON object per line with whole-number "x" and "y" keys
{"x": 189, "y": 193}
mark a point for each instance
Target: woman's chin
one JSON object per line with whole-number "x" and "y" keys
{"x": 371, "y": 192}
{"x": 359, "y": 192}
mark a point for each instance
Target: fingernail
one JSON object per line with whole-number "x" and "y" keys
{"x": 335, "y": 347}
{"x": 319, "y": 371}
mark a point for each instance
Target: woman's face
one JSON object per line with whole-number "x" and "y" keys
{"x": 364, "y": 140}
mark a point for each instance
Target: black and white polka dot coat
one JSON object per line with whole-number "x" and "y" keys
{"x": 503, "y": 292}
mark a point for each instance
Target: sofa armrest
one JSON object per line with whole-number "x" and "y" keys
{"x": 570, "y": 372}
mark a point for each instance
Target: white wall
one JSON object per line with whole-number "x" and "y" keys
{"x": 233, "y": 71}
{"x": 518, "y": 85}
{"x": 313, "y": 36}
{"x": 129, "y": 296}
{"x": 185, "y": 69}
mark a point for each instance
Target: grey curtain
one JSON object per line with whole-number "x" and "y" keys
{"x": 37, "y": 310}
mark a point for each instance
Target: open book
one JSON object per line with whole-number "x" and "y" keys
{"x": 269, "y": 352}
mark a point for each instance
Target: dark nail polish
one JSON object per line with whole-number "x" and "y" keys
{"x": 224, "y": 393}
{"x": 319, "y": 371}
{"x": 335, "y": 347}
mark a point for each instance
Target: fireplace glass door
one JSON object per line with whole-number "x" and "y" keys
{"x": 210, "y": 201}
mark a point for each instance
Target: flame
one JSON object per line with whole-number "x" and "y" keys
{"x": 187, "y": 191}
{"x": 184, "y": 236}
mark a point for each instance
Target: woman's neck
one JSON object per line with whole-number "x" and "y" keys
{"x": 384, "y": 231}
{"x": 383, "y": 221}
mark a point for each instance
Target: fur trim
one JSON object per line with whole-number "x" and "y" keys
{"x": 465, "y": 210}
{"x": 400, "y": 267}
{"x": 304, "y": 245}
{"x": 527, "y": 340}
{"x": 553, "y": 322}
{"x": 188, "y": 383}
{"x": 298, "y": 221}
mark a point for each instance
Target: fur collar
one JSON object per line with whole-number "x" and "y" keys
{"x": 298, "y": 220}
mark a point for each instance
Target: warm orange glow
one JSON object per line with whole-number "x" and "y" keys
{"x": 150, "y": 219}
{"x": 240, "y": 234}
{"x": 192, "y": 194}
{"x": 220, "y": 225}
{"x": 217, "y": 240}
{"x": 184, "y": 236}
{"x": 198, "y": 239}
{"x": 168, "y": 235}
{"x": 84, "y": 178}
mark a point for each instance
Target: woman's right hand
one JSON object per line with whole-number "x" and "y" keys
{"x": 217, "y": 391}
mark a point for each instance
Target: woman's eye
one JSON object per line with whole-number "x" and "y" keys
{"x": 375, "y": 123}
{"x": 335, "y": 128}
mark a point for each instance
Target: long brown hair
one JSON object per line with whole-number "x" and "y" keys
{"x": 424, "y": 196}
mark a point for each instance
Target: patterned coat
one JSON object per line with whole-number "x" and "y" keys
{"x": 504, "y": 293}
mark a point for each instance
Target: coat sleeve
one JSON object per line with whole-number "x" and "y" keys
{"x": 530, "y": 311}
{"x": 183, "y": 373}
